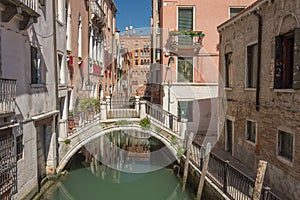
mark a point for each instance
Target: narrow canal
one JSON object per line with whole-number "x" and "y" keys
{"x": 91, "y": 179}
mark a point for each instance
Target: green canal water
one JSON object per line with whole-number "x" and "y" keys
{"x": 80, "y": 183}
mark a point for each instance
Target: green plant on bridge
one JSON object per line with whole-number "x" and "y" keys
{"x": 174, "y": 140}
{"x": 180, "y": 151}
{"x": 122, "y": 122}
{"x": 145, "y": 122}
{"x": 67, "y": 141}
{"x": 157, "y": 129}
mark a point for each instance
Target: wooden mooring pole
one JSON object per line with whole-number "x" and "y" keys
{"x": 261, "y": 170}
{"x": 204, "y": 171}
{"x": 187, "y": 159}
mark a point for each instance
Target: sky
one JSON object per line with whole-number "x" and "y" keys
{"x": 134, "y": 13}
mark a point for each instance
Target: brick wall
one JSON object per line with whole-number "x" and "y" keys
{"x": 278, "y": 109}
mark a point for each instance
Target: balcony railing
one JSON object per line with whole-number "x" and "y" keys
{"x": 29, "y": 6}
{"x": 23, "y": 9}
{"x": 32, "y": 4}
{"x": 97, "y": 13}
{"x": 7, "y": 95}
{"x": 185, "y": 40}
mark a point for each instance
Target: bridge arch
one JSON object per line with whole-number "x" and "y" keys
{"x": 80, "y": 142}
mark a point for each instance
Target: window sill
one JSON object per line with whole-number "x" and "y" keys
{"x": 228, "y": 88}
{"x": 251, "y": 143}
{"x": 285, "y": 160}
{"x": 60, "y": 22}
{"x": 38, "y": 85}
{"x": 285, "y": 90}
{"x": 250, "y": 89}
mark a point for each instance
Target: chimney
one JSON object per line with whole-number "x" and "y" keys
{"x": 126, "y": 30}
{"x": 130, "y": 27}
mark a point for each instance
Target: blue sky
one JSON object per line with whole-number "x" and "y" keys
{"x": 133, "y": 12}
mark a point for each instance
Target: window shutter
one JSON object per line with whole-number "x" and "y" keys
{"x": 185, "y": 19}
{"x": 278, "y": 68}
{"x": 296, "y": 69}
{"x": 33, "y": 65}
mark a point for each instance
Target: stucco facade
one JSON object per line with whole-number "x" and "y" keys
{"x": 271, "y": 106}
{"x": 189, "y": 61}
{"x": 27, "y": 55}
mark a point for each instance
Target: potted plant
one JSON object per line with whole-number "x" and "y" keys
{"x": 145, "y": 123}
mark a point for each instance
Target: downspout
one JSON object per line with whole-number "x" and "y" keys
{"x": 56, "y": 78}
{"x": 259, "y": 41}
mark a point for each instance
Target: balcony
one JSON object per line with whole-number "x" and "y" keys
{"x": 185, "y": 40}
{"x": 7, "y": 95}
{"x": 96, "y": 70}
{"x": 98, "y": 15}
{"x": 25, "y": 10}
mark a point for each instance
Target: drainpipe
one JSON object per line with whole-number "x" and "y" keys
{"x": 259, "y": 41}
{"x": 55, "y": 74}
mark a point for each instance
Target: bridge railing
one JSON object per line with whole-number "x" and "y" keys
{"x": 81, "y": 119}
{"x": 122, "y": 109}
{"x": 165, "y": 118}
{"x": 230, "y": 180}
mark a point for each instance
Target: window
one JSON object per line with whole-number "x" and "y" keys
{"x": 79, "y": 40}
{"x": 136, "y": 53}
{"x": 19, "y": 147}
{"x": 251, "y": 66}
{"x": 228, "y": 68}
{"x": 136, "y": 62}
{"x": 61, "y": 107}
{"x": 36, "y": 68}
{"x": 229, "y": 135}
{"x": 285, "y": 145}
{"x": 185, "y": 69}
{"x": 60, "y": 68}
{"x": 60, "y": 10}
{"x": 251, "y": 131}
{"x": 185, "y": 110}
{"x": 234, "y": 11}
{"x": 287, "y": 73}
{"x": 185, "y": 18}
{"x": 42, "y": 2}
{"x": 185, "y": 23}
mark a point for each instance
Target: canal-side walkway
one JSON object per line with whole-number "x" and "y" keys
{"x": 243, "y": 168}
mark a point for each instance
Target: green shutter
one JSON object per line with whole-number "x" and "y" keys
{"x": 296, "y": 69}
{"x": 185, "y": 19}
{"x": 278, "y": 68}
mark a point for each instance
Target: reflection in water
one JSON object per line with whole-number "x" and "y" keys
{"x": 128, "y": 151}
{"x": 107, "y": 167}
